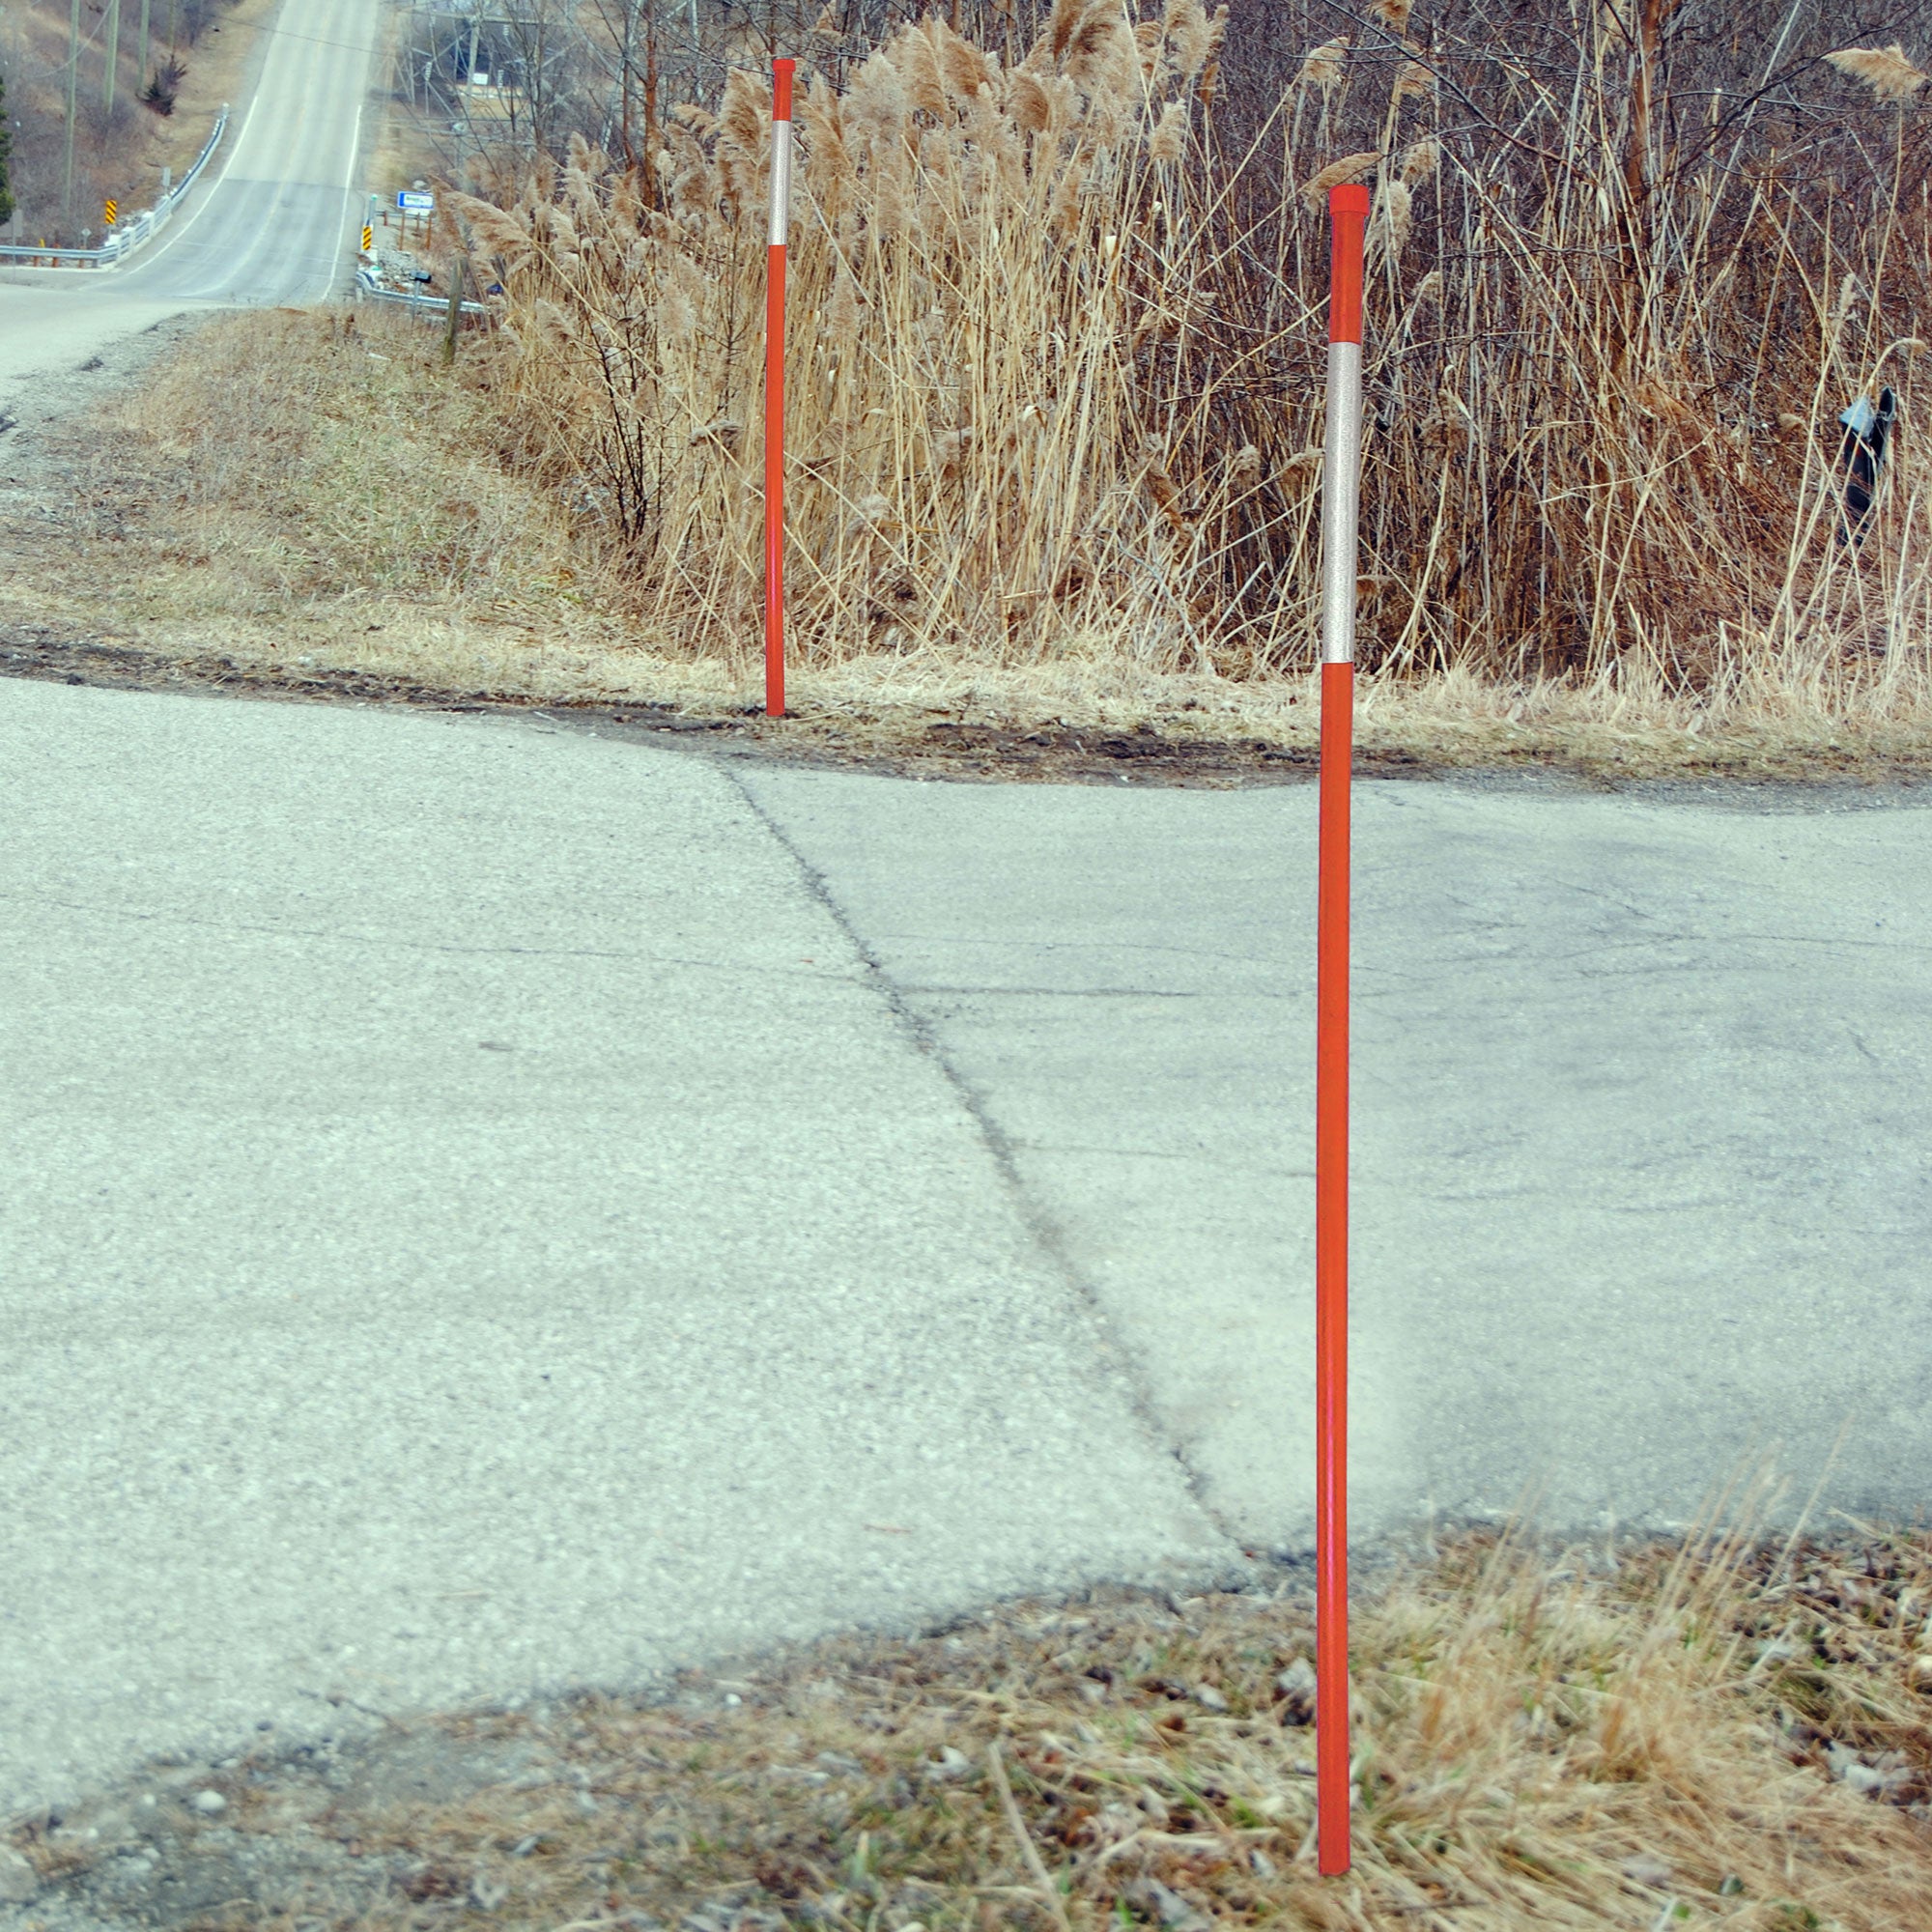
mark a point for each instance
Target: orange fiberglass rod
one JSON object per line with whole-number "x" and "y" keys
{"x": 774, "y": 332}
{"x": 1340, "y": 484}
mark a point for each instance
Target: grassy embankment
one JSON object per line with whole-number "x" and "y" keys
{"x": 1054, "y": 413}
{"x": 1726, "y": 1732}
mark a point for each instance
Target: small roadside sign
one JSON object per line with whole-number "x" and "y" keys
{"x": 413, "y": 203}
{"x": 368, "y": 238}
{"x": 113, "y": 212}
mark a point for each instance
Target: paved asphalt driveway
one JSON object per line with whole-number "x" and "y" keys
{"x": 488, "y": 1206}
{"x": 1642, "y": 1119}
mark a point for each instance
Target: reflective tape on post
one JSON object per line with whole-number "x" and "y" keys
{"x": 774, "y": 317}
{"x": 1340, "y": 482}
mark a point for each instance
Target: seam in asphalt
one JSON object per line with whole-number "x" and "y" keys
{"x": 1047, "y": 1233}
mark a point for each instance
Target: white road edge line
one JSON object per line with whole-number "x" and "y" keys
{"x": 342, "y": 227}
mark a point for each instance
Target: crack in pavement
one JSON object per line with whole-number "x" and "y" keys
{"x": 1041, "y": 1225}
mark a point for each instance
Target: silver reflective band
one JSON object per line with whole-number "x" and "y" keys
{"x": 780, "y": 181}
{"x": 1341, "y": 491}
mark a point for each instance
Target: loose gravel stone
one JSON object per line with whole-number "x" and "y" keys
{"x": 1645, "y": 1870}
{"x": 1298, "y": 1686}
{"x": 487, "y": 1894}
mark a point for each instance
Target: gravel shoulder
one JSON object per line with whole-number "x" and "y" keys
{"x": 952, "y": 750}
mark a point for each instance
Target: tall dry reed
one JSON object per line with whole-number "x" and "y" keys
{"x": 1057, "y": 346}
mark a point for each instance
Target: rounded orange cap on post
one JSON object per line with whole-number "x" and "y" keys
{"x": 1348, "y": 217}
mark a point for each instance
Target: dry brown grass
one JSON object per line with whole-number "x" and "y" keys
{"x": 1723, "y": 1731}
{"x": 296, "y": 494}
{"x": 1054, "y": 369}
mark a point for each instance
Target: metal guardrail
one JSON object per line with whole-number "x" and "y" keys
{"x": 368, "y": 288}
{"x": 125, "y": 240}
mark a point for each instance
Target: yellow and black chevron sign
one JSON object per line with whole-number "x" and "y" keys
{"x": 113, "y": 212}
{"x": 368, "y": 238}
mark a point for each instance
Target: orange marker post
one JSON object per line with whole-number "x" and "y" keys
{"x": 775, "y": 320}
{"x": 1341, "y": 483}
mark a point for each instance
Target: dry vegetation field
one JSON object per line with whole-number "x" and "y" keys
{"x": 1056, "y": 387}
{"x": 1726, "y": 1731}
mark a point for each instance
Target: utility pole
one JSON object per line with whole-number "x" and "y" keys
{"x": 113, "y": 54}
{"x": 536, "y": 121}
{"x": 142, "y": 76}
{"x": 472, "y": 141}
{"x": 73, "y": 77}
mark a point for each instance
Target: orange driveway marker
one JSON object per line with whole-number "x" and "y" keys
{"x": 1340, "y": 481}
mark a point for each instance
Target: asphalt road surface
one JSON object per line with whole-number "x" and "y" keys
{"x": 1641, "y": 1113}
{"x": 472, "y": 1219}
{"x": 491, "y": 1206}
{"x": 270, "y": 222}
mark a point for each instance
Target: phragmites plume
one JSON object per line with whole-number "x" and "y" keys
{"x": 1102, "y": 57}
{"x": 1421, "y": 160}
{"x": 1322, "y": 67}
{"x": 1389, "y": 228}
{"x": 499, "y": 231}
{"x": 847, "y": 309}
{"x": 1885, "y": 71}
{"x": 1350, "y": 168}
{"x": 1030, "y": 104}
{"x": 1169, "y": 139}
{"x": 919, "y": 71}
{"x": 1302, "y": 471}
{"x": 1063, "y": 24}
{"x": 967, "y": 69}
{"x": 1413, "y": 81}
{"x": 835, "y": 175}
{"x": 1217, "y": 32}
{"x": 1189, "y": 34}
{"x": 746, "y": 112}
{"x": 1392, "y": 14}
{"x": 1150, "y": 43}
